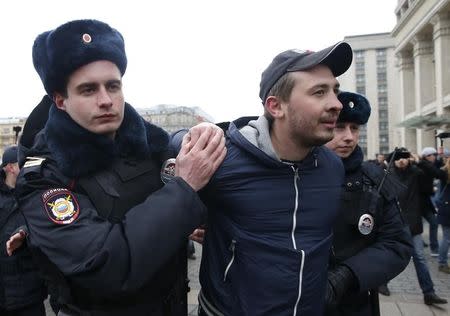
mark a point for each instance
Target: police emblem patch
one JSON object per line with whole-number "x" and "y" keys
{"x": 168, "y": 170}
{"x": 365, "y": 224}
{"x": 61, "y": 206}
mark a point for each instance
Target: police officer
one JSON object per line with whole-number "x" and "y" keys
{"x": 107, "y": 232}
{"x": 22, "y": 291}
{"x": 371, "y": 243}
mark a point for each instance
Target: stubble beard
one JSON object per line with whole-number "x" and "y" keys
{"x": 303, "y": 133}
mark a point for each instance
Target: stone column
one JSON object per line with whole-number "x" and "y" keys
{"x": 441, "y": 39}
{"x": 425, "y": 91}
{"x": 405, "y": 65}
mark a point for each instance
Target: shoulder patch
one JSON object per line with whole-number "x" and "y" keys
{"x": 33, "y": 161}
{"x": 61, "y": 206}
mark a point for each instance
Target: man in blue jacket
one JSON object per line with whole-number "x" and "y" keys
{"x": 273, "y": 201}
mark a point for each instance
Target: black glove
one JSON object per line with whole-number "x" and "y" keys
{"x": 340, "y": 280}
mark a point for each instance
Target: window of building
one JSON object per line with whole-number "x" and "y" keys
{"x": 381, "y": 76}
{"x": 359, "y": 54}
{"x": 381, "y": 64}
{"x": 360, "y": 79}
{"x": 381, "y": 52}
{"x": 359, "y": 65}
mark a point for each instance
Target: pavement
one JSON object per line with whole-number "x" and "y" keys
{"x": 406, "y": 297}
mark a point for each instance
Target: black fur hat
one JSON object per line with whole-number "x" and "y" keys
{"x": 58, "y": 53}
{"x": 355, "y": 108}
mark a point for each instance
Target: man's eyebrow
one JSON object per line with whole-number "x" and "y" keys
{"x": 114, "y": 81}
{"x": 85, "y": 85}
{"x": 325, "y": 86}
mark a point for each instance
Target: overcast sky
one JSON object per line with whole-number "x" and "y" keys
{"x": 202, "y": 53}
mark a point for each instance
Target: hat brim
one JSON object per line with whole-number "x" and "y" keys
{"x": 337, "y": 57}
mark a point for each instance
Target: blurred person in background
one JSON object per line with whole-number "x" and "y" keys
{"x": 22, "y": 291}
{"x": 429, "y": 165}
{"x": 443, "y": 217}
{"x": 411, "y": 176}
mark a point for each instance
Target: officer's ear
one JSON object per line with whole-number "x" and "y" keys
{"x": 59, "y": 99}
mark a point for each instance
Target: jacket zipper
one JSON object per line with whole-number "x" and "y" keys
{"x": 294, "y": 216}
{"x": 232, "y": 246}
{"x": 294, "y": 225}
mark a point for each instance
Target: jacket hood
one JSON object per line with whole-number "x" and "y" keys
{"x": 252, "y": 134}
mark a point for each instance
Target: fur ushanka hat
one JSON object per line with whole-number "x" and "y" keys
{"x": 355, "y": 108}
{"x": 58, "y": 53}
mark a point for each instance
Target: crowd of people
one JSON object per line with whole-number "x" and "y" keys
{"x": 98, "y": 205}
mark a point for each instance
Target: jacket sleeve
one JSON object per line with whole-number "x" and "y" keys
{"x": 387, "y": 256}
{"x": 115, "y": 258}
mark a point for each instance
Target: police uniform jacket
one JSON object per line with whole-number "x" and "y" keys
{"x": 20, "y": 284}
{"x": 269, "y": 227}
{"x": 103, "y": 226}
{"x": 374, "y": 252}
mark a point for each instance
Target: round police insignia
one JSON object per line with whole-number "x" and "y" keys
{"x": 86, "y": 38}
{"x": 168, "y": 170}
{"x": 365, "y": 224}
{"x": 61, "y": 205}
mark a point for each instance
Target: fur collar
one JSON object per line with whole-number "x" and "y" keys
{"x": 79, "y": 152}
{"x": 354, "y": 161}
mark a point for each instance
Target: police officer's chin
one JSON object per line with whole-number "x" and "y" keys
{"x": 343, "y": 152}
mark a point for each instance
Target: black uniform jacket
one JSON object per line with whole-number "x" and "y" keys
{"x": 20, "y": 284}
{"x": 99, "y": 213}
{"x": 382, "y": 253}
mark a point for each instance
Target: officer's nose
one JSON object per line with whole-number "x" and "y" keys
{"x": 103, "y": 97}
{"x": 347, "y": 133}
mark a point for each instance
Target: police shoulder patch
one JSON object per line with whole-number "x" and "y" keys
{"x": 61, "y": 205}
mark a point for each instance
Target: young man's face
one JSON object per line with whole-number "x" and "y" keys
{"x": 94, "y": 98}
{"x": 431, "y": 158}
{"x": 401, "y": 163}
{"x": 12, "y": 169}
{"x": 380, "y": 158}
{"x": 346, "y": 137}
{"x": 313, "y": 107}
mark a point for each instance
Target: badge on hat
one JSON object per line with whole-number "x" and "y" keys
{"x": 365, "y": 224}
{"x": 168, "y": 170}
{"x": 61, "y": 206}
{"x": 86, "y": 38}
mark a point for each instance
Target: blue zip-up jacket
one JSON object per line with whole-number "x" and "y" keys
{"x": 269, "y": 232}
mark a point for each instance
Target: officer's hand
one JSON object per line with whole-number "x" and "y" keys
{"x": 196, "y": 131}
{"x": 340, "y": 281}
{"x": 330, "y": 297}
{"x": 198, "y": 235}
{"x": 199, "y": 159}
{"x": 15, "y": 241}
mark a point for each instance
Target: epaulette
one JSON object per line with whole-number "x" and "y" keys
{"x": 32, "y": 167}
{"x": 391, "y": 187}
{"x": 33, "y": 162}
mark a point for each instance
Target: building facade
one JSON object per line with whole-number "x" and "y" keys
{"x": 173, "y": 118}
{"x": 10, "y": 129}
{"x": 422, "y": 46}
{"x": 374, "y": 75}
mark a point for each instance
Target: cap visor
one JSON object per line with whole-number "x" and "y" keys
{"x": 337, "y": 57}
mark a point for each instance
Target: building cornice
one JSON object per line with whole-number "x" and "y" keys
{"x": 426, "y": 19}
